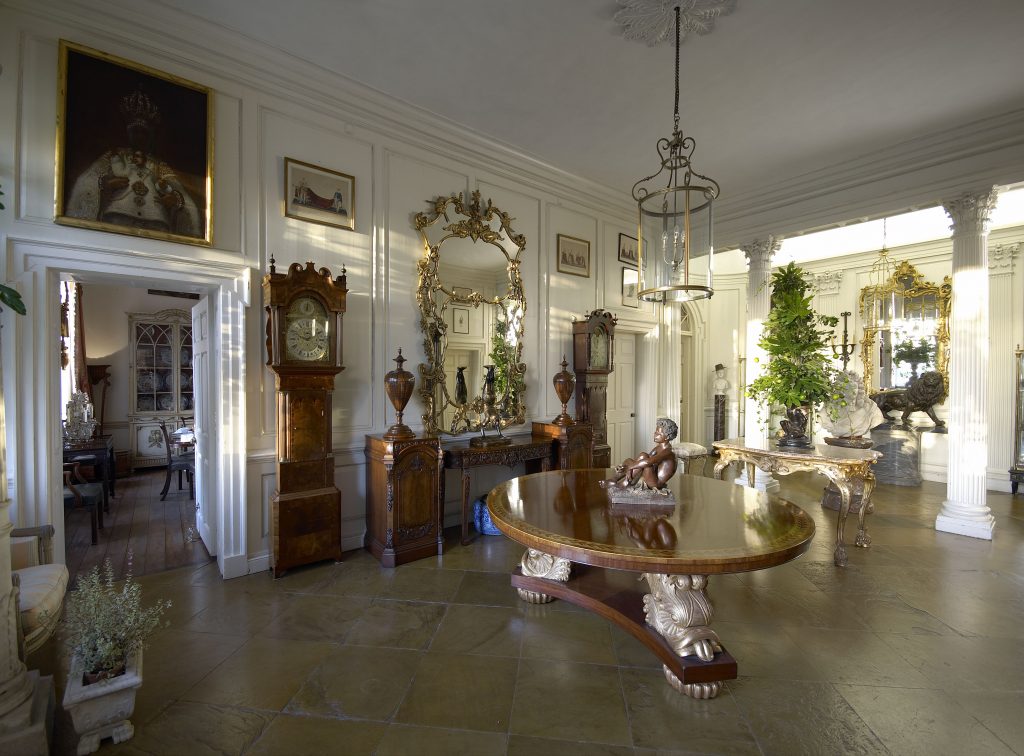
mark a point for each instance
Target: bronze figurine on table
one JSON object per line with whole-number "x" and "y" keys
{"x": 647, "y": 476}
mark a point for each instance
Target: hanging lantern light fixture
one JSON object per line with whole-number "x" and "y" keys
{"x": 675, "y": 219}
{"x": 882, "y": 298}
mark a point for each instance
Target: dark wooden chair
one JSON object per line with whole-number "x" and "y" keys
{"x": 183, "y": 463}
{"x": 79, "y": 493}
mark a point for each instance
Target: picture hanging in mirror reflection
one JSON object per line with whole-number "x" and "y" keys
{"x": 573, "y": 256}
{"x": 630, "y": 281}
{"x": 460, "y": 320}
{"x": 319, "y": 195}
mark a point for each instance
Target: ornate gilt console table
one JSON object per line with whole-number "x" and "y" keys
{"x": 847, "y": 468}
{"x": 464, "y": 458}
{"x": 582, "y": 548}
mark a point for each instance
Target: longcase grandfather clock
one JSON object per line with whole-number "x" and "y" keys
{"x": 305, "y": 307}
{"x": 593, "y": 342}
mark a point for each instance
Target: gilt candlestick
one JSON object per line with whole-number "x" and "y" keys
{"x": 398, "y": 384}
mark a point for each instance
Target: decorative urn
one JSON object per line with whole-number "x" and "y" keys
{"x": 398, "y": 384}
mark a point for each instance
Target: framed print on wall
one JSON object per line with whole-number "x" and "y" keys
{"x": 627, "y": 250}
{"x": 134, "y": 149}
{"x": 319, "y": 195}
{"x": 460, "y": 320}
{"x": 573, "y": 256}
{"x": 630, "y": 281}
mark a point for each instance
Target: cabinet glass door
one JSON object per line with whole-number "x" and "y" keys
{"x": 154, "y": 368}
{"x": 185, "y": 369}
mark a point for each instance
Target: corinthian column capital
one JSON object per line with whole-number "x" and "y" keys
{"x": 970, "y": 212}
{"x": 760, "y": 251}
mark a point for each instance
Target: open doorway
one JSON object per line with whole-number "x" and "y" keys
{"x": 149, "y": 407}
{"x": 34, "y": 417}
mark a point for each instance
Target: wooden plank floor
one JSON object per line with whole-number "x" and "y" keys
{"x": 140, "y": 533}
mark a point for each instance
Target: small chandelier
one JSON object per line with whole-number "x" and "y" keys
{"x": 882, "y": 298}
{"x": 675, "y": 219}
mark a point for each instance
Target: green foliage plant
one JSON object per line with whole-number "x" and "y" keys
{"x": 913, "y": 354}
{"x": 105, "y": 624}
{"x": 795, "y": 339}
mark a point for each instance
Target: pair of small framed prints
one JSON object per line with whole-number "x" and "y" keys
{"x": 573, "y": 256}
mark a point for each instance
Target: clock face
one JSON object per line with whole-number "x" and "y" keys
{"x": 306, "y": 331}
{"x": 599, "y": 349}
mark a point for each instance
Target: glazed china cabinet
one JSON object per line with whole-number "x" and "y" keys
{"x": 160, "y": 385}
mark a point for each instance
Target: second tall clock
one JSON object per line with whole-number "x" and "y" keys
{"x": 593, "y": 349}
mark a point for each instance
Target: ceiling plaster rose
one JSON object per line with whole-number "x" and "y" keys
{"x": 653, "y": 21}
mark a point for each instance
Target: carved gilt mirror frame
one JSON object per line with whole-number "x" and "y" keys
{"x": 915, "y": 292}
{"x": 475, "y": 222}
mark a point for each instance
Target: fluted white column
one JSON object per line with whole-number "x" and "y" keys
{"x": 965, "y": 510}
{"x": 759, "y": 296}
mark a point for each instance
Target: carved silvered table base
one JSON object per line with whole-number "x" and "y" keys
{"x": 538, "y": 564}
{"x": 679, "y": 610}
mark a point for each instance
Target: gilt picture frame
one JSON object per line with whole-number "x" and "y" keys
{"x": 573, "y": 255}
{"x": 316, "y": 194}
{"x": 134, "y": 149}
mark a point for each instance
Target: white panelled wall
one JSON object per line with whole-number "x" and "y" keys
{"x": 267, "y": 106}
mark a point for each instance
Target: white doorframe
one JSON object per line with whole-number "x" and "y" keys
{"x": 697, "y": 395}
{"x": 33, "y": 390}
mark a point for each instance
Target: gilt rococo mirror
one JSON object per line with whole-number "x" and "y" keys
{"x": 471, "y": 302}
{"x": 911, "y": 331}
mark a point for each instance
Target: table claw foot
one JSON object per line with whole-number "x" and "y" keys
{"x": 538, "y": 564}
{"x": 839, "y": 556}
{"x": 863, "y": 539}
{"x": 679, "y": 610}
{"x": 703, "y": 691}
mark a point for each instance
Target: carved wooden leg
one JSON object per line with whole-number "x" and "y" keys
{"x": 465, "y": 507}
{"x": 846, "y": 493}
{"x": 679, "y": 610}
{"x": 538, "y": 564}
{"x": 863, "y": 539}
{"x": 751, "y": 475}
{"x": 720, "y": 465}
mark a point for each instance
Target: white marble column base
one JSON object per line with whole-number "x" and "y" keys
{"x": 762, "y": 481}
{"x": 980, "y": 525}
{"x": 31, "y": 735}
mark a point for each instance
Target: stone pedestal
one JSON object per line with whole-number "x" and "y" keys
{"x": 720, "y": 416}
{"x": 900, "y": 464}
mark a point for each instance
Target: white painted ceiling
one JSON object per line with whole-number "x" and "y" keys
{"x": 779, "y": 89}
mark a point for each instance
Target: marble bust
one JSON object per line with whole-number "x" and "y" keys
{"x": 853, "y": 413}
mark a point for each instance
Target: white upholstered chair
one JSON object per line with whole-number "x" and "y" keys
{"x": 41, "y": 585}
{"x": 692, "y": 457}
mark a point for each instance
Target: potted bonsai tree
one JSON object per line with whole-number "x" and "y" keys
{"x": 106, "y": 628}
{"x": 799, "y": 374}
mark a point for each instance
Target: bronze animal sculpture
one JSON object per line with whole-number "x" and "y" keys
{"x": 920, "y": 396}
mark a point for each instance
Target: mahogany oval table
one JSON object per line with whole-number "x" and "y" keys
{"x": 584, "y": 548}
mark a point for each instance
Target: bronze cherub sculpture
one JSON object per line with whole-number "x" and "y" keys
{"x": 648, "y": 475}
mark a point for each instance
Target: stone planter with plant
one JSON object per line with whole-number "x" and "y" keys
{"x": 106, "y": 629}
{"x": 799, "y": 375}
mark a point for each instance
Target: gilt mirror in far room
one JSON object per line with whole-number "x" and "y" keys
{"x": 910, "y": 331}
{"x": 471, "y": 303}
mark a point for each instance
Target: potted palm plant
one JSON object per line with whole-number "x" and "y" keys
{"x": 799, "y": 374}
{"x": 106, "y": 629}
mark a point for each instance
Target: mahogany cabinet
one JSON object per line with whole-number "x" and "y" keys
{"x": 404, "y": 499}
{"x": 574, "y": 444}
